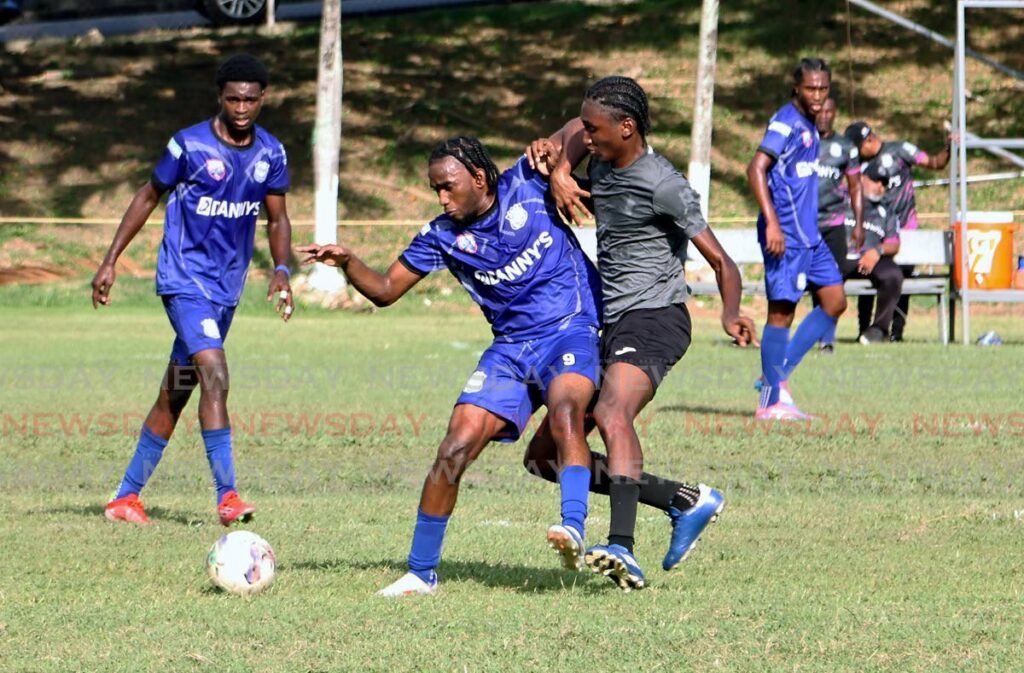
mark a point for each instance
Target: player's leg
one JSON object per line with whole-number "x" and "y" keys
{"x": 821, "y": 272}
{"x": 887, "y": 278}
{"x": 625, "y": 391}
{"x": 899, "y": 320}
{"x": 835, "y": 240}
{"x": 784, "y": 281}
{"x": 469, "y": 430}
{"x": 178, "y": 383}
{"x": 567, "y": 398}
{"x": 203, "y": 326}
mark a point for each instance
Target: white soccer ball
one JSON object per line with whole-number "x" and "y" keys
{"x": 242, "y": 563}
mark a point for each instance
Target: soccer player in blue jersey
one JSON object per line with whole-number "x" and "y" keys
{"x": 500, "y": 237}
{"x": 783, "y": 176}
{"x": 218, "y": 174}
{"x": 646, "y": 214}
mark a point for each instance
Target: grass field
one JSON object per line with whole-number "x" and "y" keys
{"x": 884, "y": 537}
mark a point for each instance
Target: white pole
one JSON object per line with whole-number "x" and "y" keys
{"x": 961, "y": 86}
{"x": 270, "y": 14}
{"x": 704, "y": 99}
{"x": 327, "y": 143}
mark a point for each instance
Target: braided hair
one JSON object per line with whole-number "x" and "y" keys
{"x": 624, "y": 98}
{"x": 810, "y": 65}
{"x": 469, "y": 152}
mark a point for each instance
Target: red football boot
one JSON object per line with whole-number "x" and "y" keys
{"x": 129, "y": 508}
{"x": 232, "y": 509}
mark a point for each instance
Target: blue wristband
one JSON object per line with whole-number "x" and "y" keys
{"x": 285, "y": 269}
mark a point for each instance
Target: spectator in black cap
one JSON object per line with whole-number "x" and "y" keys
{"x": 876, "y": 264}
{"x": 896, "y": 160}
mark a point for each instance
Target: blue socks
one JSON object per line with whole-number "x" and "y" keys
{"x": 222, "y": 464}
{"x": 148, "y": 453}
{"x": 774, "y": 343}
{"x": 427, "y": 542}
{"x": 814, "y": 327}
{"x": 829, "y": 337}
{"x": 574, "y": 481}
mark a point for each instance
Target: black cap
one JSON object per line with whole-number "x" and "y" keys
{"x": 876, "y": 171}
{"x": 858, "y": 132}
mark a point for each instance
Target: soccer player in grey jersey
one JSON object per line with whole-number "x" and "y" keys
{"x": 896, "y": 159}
{"x": 876, "y": 263}
{"x": 646, "y": 213}
{"x": 839, "y": 197}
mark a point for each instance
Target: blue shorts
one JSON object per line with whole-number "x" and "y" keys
{"x": 511, "y": 379}
{"x": 198, "y": 323}
{"x": 786, "y": 278}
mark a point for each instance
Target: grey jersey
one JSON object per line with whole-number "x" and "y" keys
{"x": 837, "y": 158}
{"x": 646, "y": 213}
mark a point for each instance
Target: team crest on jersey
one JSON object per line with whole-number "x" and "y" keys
{"x": 516, "y": 217}
{"x": 835, "y": 150}
{"x": 216, "y": 169}
{"x": 466, "y": 243}
{"x": 807, "y": 138}
{"x": 887, "y": 161}
{"x": 260, "y": 170}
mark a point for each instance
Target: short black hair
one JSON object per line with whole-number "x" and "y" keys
{"x": 469, "y": 152}
{"x": 624, "y": 97}
{"x": 810, "y": 65}
{"x": 242, "y": 68}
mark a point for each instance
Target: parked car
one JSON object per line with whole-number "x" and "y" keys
{"x": 220, "y": 12}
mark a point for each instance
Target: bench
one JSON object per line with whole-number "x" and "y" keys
{"x": 931, "y": 251}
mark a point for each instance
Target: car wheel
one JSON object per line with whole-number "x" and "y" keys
{"x": 225, "y": 12}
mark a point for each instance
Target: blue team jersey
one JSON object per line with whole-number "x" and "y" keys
{"x": 216, "y": 191}
{"x": 518, "y": 261}
{"x": 792, "y": 140}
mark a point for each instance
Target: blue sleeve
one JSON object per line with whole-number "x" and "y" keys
{"x": 776, "y": 138}
{"x": 278, "y": 181}
{"x": 521, "y": 170}
{"x": 170, "y": 170}
{"x": 423, "y": 254}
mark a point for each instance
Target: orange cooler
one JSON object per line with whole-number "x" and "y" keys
{"x": 989, "y": 251}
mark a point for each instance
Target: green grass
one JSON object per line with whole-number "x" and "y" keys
{"x": 883, "y": 539}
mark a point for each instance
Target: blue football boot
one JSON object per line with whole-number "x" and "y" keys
{"x": 687, "y": 525}
{"x": 617, "y": 564}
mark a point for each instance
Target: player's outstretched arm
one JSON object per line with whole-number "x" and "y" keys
{"x": 937, "y": 162}
{"x": 730, "y": 287}
{"x": 757, "y": 176}
{"x": 383, "y": 289}
{"x": 557, "y": 157}
{"x": 139, "y": 210}
{"x": 279, "y": 233}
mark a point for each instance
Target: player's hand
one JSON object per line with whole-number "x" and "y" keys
{"x": 101, "y": 284}
{"x": 857, "y": 236}
{"x": 741, "y": 329}
{"x": 282, "y": 289}
{"x": 569, "y": 197}
{"x": 542, "y": 155}
{"x": 331, "y": 255}
{"x": 868, "y": 260}
{"x": 774, "y": 240}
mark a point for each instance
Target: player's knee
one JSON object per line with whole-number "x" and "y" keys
{"x": 566, "y": 419}
{"x": 611, "y": 420}
{"x": 454, "y": 453}
{"x": 835, "y": 305}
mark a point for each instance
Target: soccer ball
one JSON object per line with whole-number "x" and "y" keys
{"x": 242, "y": 563}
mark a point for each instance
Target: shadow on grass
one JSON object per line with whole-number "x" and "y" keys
{"x": 685, "y": 409}
{"x": 155, "y": 514}
{"x": 523, "y": 579}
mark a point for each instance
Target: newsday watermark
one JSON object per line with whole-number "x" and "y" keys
{"x": 421, "y": 424}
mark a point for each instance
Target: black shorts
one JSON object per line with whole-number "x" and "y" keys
{"x": 651, "y": 339}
